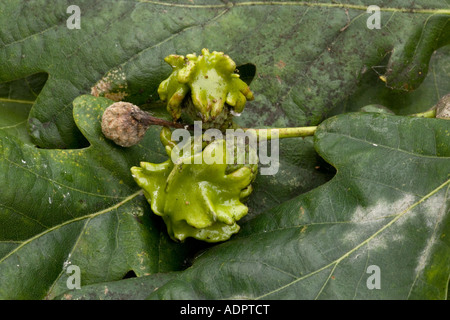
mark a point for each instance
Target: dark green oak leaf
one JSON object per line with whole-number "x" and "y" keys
{"x": 310, "y": 73}
{"x": 77, "y": 207}
{"x": 309, "y": 56}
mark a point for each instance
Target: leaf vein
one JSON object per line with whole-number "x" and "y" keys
{"x": 61, "y": 184}
{"x": 90, "y": 216}
{"x": 367, "y": 240}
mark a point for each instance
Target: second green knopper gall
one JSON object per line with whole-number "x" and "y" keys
{"x": 195, "y": 196}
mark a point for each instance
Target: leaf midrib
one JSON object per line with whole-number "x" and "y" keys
{"x": 296, "y": 3}
{"x": 89, "y": 216}
{"x": 61, "y": 184}
{"x": 376, "y": 145}
{"x": 10, "y": 100}
{"x": 335, "y": 262}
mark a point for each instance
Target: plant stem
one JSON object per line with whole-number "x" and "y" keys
{"x": 284, "y": 132}
{"x": 427, "y": 114}
{"x": 148, "y": 120}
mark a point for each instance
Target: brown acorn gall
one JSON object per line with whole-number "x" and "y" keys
{"x": 122, "y": 123}
{"x": 126, "y": 124}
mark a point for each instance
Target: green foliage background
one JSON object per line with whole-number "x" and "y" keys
{"x": 367, "y": 189}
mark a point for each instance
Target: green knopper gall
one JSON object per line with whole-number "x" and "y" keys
{"x": 194, "y": 196}
{"x": 205, "y": 88}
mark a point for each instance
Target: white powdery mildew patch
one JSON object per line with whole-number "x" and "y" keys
{"x": 433, "y": 212}
{"x": 379, "y": 242}
{"x": 375, "y": 214}
{"x": 360, "y": 254}
{"x": 424, "y": 256}
{"x": 382, "y": 209}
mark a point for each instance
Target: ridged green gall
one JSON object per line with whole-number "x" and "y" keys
{"x": 196, "y": 196}
{"x": 206, "y": 87}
